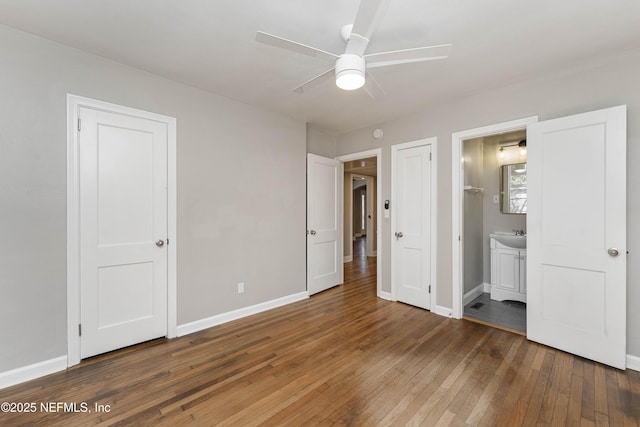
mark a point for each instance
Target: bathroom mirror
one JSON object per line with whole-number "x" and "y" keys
{"x": 513, "y": 188}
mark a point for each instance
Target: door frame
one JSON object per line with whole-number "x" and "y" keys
{"x": 433, "y": 229}
{"x": 377, "y": 153}
{"x": 74, "y": 102}
{"x": 457, "y": 194}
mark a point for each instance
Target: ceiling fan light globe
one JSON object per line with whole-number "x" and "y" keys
{"x": 350, "y": 72}
{"x": 350, "y": 79}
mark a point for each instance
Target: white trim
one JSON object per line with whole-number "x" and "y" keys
{"x": 457, "y": 193}
{"x": 473, "y": 293}
{"x": 199, "y": 325}
{"x": 442, "y": 311}
{"x": 172, "y": 228}
{"x": 74, "y": 102}
{"x": 433, "y": 142}
{"x": 377, "y": 153}
{"x": 348, "y": 258}
{"x": 385, "y": 296}
{"x": 633, "y": 362}
{"x": 30, "y": 372}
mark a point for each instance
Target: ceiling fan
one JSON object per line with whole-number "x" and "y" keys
{"x": 352, "y": 67}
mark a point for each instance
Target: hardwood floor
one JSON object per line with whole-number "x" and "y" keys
{"x": 343, "y": 357}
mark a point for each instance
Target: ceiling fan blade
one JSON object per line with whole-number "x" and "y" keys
{"x": 282, "y": 43}
{"x": 369, "y": 14}
{"x": 418, "y": 54}
{"x": 372, "y": 87}
{"x": 314, "y": 81}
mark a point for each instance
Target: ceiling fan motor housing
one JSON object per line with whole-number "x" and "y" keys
{"x": 350, "y": 71}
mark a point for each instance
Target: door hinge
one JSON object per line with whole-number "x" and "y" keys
{"x": 429, "y": 288}
{"x": 167, "y": 240}
{"x": 79, "y": 329}
{"x": 459, "y": 238}
{"x": 430, "y": 156}
{"x": 79, "y": 125}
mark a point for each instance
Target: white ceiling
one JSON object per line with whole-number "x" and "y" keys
{"x": 211, "y": 44}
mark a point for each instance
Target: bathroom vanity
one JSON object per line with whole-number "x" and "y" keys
{"x": 508, "y": 267}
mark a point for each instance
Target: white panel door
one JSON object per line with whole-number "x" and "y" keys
{"x": 412, "y": 234}
{"x": 324, "y": 223}
{"x": 576, "y": 245}
{"x": 123, "y": 216}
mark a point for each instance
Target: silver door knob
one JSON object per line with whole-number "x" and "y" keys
{"x": 399, "y": 234}
{"x": 613, "y": 252}
{"x": 160, "y": 243}
{"x": 312, "y": 232}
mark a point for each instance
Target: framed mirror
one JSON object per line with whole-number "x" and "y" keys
{"x": 513, "y": 188}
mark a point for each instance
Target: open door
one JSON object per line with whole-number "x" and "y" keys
{"x": 324, "y": 223}
{"x": 576, "y": 298}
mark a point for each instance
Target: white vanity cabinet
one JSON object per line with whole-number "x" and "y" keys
{"x": 508, "y": 272}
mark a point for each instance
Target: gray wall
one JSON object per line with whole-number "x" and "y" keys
{"x": 600, "y": 83}
{"x": 233, "y": 160}
{"x": 472, "y": 153}
{"x": 320, "y": 142}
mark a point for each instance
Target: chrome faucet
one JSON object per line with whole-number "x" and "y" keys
{"x": 519, "y": 232}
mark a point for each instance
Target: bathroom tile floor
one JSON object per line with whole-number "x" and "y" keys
{"x": 505, "y": 314}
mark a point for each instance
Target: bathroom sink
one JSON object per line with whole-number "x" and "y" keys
{"x": 511, "y": 240}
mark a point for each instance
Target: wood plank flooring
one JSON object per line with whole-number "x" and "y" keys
{"x": 343, "y": 357}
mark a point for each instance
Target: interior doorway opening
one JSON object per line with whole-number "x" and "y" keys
{"x": 481, "y": 263}
{"x": 361, "y": 218}
{"x": 494, "y": 205}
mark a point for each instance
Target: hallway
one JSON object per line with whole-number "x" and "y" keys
{"x": 362, "y": 269}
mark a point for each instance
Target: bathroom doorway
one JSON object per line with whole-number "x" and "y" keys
{"x": 490, "y": 226}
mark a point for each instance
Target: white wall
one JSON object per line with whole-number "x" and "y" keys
{"x": 605, "y": 83}
{"x": 233, "y": 160}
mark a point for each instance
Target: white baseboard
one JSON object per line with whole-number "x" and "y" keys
{"x": 348, "y": 258}
{"x": 198, "y": 325}
{"x": 473, "y": 294}
{"x": 442, "y": 311}
{"x": 30, "y": 372}
{"x": 633, "y": 362}
{"x": 385, "y": 295}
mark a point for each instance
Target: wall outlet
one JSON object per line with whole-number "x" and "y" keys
{"x": 241, "y": 287}
{"x": 496, "y": 199}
